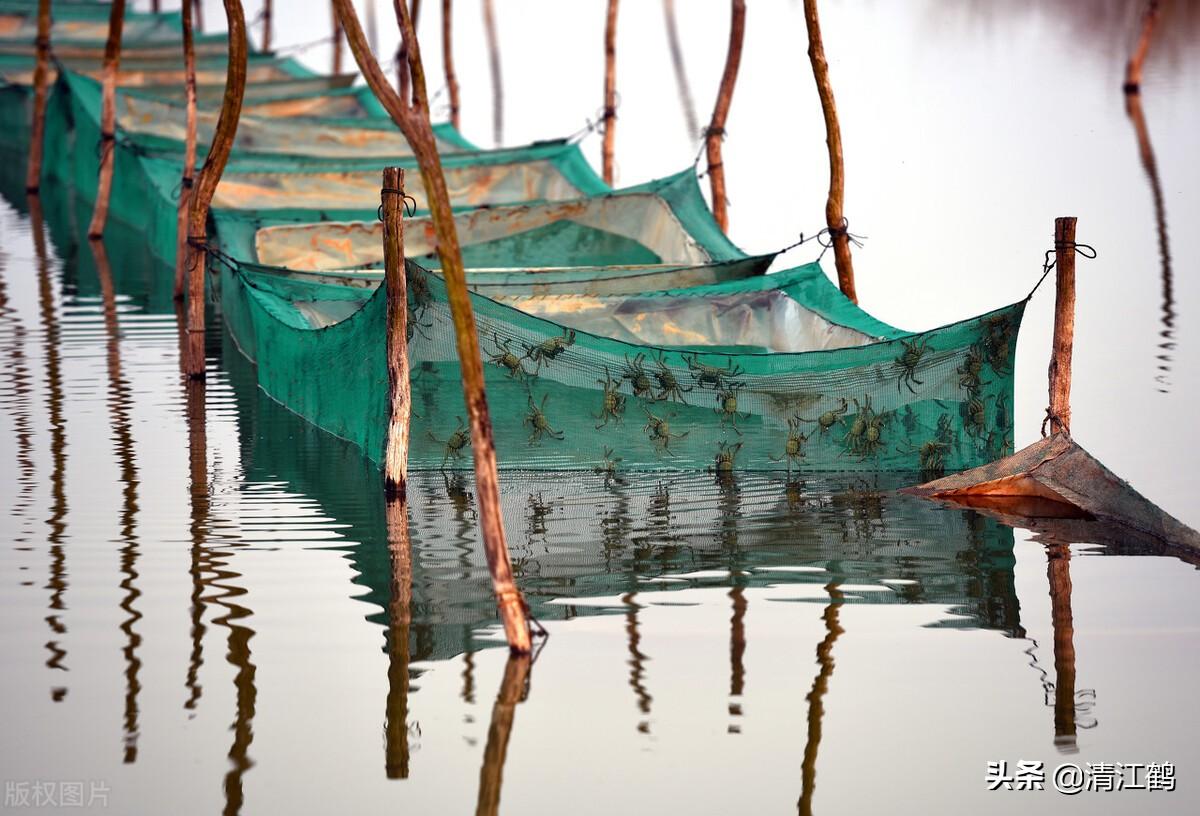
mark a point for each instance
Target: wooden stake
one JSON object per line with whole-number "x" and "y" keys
{"x": 1058, "y": 573}
{"x": 266, "y": 22}
{"x": 108, "y": 118}
{"x": 610, "y": 90}
{"x": 1059, "y": 412}
{"x": 41, "y": 84}
{"x": 403, "y": 78}
{"x": 206, "y": 185}
{"x": 716, "y": 129}
{"x": 413, "y": 121}
{"x": 681, "y": 80}
{"x": 395, "y": 462}
{"x": 493, "y": 46}
{"x": 198, "y": 5}
{"x": 834, "y": 219}
{"x": 1133, "y": 70}
{"x": 189, "y": 153}
{"x": 396, "y": 752}
{"x": 512, "y": 690}
{"x": 337, "y": 42}
{"x": 448, "y": 62}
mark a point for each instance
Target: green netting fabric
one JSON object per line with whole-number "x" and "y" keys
{"x": 565, "y": 399}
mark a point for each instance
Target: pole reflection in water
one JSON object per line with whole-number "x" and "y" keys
{"x": 514, "y": 688}
{"x": 816, "y": 696}
{"x": 201, "y": 567}
{"x": 120, "y": 404}
{"x": 1058, "y": 572}
{"x": 18, "y": 400}
{"x": 396, "y": 752}
{"x": 52, "y": 338}
{"x": 637, "y": 661}
{"x": 737, "y": 650}
{"x": 239, "y": 656}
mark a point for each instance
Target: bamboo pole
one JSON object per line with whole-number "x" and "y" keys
{"x": 403, "y": 77}
{"x": 189, "y": 152}
{"x": 448, "y": 61}
{"x": 681, "y": 80}
{"x": 716, "y": 128}
{"x": 1059, "y": 412}
{"x": 266, "y": 22}
{"x": 491, "y": 773}
{"x": 41, "y": 83}
{"x": 610, "y": 91}
{"x": 413, "y": 121}
{"x": 493, "y": 46}
{"x": 337, "y": 42}
{"x": 396, "y": 750}
{"x": 1058, "y": 574}
{"x": 395, "y": 464}
{"x": 108, "y": 118}
{"x": 834, "y": 219}
{"x": 206, "y": 185}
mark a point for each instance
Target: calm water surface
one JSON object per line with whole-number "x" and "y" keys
{"x": 202, "y": 612}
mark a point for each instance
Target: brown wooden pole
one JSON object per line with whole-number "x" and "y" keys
{"x": 206, "y": 185}
{"x": 681, "y": 80}
{"x": 448, "y": 61}
{"x": 372, "y": 28}
{"x": 413, "y": 121}
{"x": 396, "y": 750}
{"x": 1059, "y": 412}
{"x": 716, "y": 128}
{"x": 610, "y": 91}
{"x": 156, "y": 6}
{"x": 266, "y": 22}
{"x": 816, "y": 696}
{"x": 1133, "y": 69}
{"x": 1058, "y": 573}
{"x": 491, "y": 773}
{"x": 108, "y": 118}
{"x": 189, "y": 153}
{"x": 493, "y": 46}
{"x": 834, "y": 219}
{"x": 41, "y": 87}
{"x": 395, "y": 460}
{"x": 198, "y": 5}
{"x": 337, "y": 43}
{"x": 403, "y": 77}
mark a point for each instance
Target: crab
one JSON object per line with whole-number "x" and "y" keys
{"x": 659, "y": 431}
{"x": 930, "y": 456}
{"x": 865, "y": 435}
{"x": 536, "y": 420}
{"x": 417, "y": 290}
{"x": 793, "y": 448}
{"x": 608, "y": 467}
{"x": 974, "y": 416}
{"x": 830, "y": 418}
{"x": 723, "y": 462}
{"x": 550, "y": 348}
{"x": 971, "y": 371}
{"x": 998, "y": 330}
{"x": 638, "y": 379}
{"x": 454, "y": 446}
{"x": 727, "y": 408}
{"x": 668, "y": 386}
{"x": 712, "y": 376}
{"x": 503, "y": 356}
{"x": 613, "y": 406}
{"x": 908, "y": 361}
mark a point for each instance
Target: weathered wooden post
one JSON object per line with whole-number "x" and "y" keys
{"x": 1058, "y": 573}
{"x": 681, "y": 80}
{"x": 448, "y": 61}
{"x": 41, "y": 85}
{"x": 413, "y": 121}
{"x": 403, "y": 77}
{"x": 395, "y": 460}
{"x": 108, "y": 118}
{"x": 491, "y": 773}
{"x": 189, "y": 152}
{"x": 198, "y": 5}
{"x": 1059, "y": 412}
{"x": 206, "y": 185}
{"x": 493, "y": 46}
{"x": 336, "y": 68}
{"x": 716, "y": 128}
{"x": 834, "y": 219}
{"x": 610, "y": 91}
{"x": 266, "y": 22}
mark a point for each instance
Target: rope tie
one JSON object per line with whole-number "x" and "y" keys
{"x": 410, "y": 203}
{"x": 105, "y": 144}
{"x": 1049, "y": 259}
